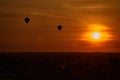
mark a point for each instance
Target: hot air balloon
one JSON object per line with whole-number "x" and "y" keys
{"x": 59, "y": 27}
{"x": 27, "y": 20}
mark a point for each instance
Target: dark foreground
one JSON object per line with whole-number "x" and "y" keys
{"x": 59, "y": 66}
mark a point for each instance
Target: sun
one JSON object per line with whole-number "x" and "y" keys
{"x": 96, "y": 35}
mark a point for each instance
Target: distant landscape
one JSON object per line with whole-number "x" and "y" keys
{"x": 59, "y": 66}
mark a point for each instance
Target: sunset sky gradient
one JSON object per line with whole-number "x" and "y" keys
{"x": 76, "y": 17}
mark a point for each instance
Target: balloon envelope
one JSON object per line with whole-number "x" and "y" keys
{"x": 27, "y": 20}
{"x": 59, "y": 27}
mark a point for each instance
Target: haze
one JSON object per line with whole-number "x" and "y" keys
{"x": 41, "y": 34}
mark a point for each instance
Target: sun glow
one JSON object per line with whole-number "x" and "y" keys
{"x": 96, "y": 33}
{"x": 97, "y": 27}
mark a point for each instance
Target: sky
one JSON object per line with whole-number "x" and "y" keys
{"x": 79, "y": 19}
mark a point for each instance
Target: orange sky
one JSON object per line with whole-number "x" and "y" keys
{"x": 41, "y": 34}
